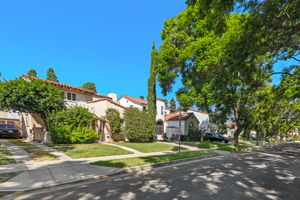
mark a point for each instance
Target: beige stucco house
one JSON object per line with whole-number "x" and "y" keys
{"x": 73, "y": 96}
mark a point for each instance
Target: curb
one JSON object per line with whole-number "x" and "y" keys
{"x": 9, "y": 193}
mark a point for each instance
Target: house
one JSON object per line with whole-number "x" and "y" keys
{"x": 180, "y": 123}
{"x": 142, "y": 104}
{"x": 203, "y": 118}
{"x": 74, "y": 96}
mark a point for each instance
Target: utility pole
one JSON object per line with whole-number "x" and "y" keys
{"x": 179, "y": 129}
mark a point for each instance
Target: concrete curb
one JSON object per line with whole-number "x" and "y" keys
{"x": 9, "y": 193}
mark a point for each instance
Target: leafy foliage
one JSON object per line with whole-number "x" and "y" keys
{"x": 51, "y": 75}
{"x": 32, "y": 72}
{"x": 114, "y": 120}
{"x": 63, "y": 134}
{"x": 90, "y": 86}
{"x": 73, "y": 117}
{"x": 172, "y": 105}
{"x": 138, "y": 125}
{"x": 34, "y": 96}
{"x": 152, "y": 88}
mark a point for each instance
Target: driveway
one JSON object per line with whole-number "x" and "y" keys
{"x": 273, "y": 173}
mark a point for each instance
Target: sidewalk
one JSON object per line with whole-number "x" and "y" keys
{"x": 66, "y": 170}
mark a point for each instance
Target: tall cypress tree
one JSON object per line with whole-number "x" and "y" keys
{"x": 51, "y": 75}
{"x": 172, "y": 105}
{"x": 152, "y": 89}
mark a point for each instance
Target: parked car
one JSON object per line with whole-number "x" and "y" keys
{"x": 216, "y": 137}
{"x": 10, "y": 131}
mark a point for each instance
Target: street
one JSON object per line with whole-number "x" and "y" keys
{"x": 273, "y": 173}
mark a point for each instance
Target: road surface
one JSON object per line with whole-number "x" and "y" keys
{"x": 272, "y": 173}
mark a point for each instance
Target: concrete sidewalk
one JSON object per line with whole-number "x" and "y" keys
{"x": 55, "y": 174}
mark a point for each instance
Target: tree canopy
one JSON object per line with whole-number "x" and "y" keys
{"x": 90, "y": 86}
{"x": 51, "y": 75}
{"x": 32, "y": 72}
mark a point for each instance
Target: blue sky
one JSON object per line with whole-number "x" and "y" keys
{"x": 105, "y": 42}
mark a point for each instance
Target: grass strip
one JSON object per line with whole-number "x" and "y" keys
{"x": 137, "y": 161}
{"x": 6, "y": 176}
{"x": 36, "y": 153}
{"x": 148, "y": 147}
{"x": 218, "y": 145}
{"x": 5, "y": 156}
{"x": 76, "y": 151}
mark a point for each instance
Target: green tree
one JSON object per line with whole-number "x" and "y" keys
{"x": 51, "y": 75}
{"x": 152, "y": 88}
{"x": 217, "y": 71}
{"x": 32, "y": 72}
{"x": 34, "y": 97}
{"x": 138, "y": 125}
{"x": 90, "y": 86}
{"x": 114, "y": 120}
{"x": 172, "y": 105}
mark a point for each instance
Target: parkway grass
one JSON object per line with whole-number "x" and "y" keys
{"x": 137, "y": 161}
{"x": 36, "y": 153}
{"x": 147, "y": 147}
{"x": 5, "y": 156}
{"x": 218, "y": 145}
{"x": 76, "y": 151}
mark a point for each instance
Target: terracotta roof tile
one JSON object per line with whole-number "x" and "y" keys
{"x": 66, "y": 86}
{"x": 193, "y": 110}
{"x": 106, "y": 99}
{"x": 175, "y": 116}
{"x": 139, "y": 100}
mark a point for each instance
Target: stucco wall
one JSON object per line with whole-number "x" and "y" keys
{"x": 203, "y": 119}
{"x": 99, "y": 108}
{"x": 127, "y": 103}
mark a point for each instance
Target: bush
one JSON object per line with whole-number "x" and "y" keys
{"x": 71, "y": 126}
{"x": 74, "y": 117}
{"x": 68, "y": 135}
{"x": 114, "y": 120}
{"x": 138, "y": 126}
{"x": 117, "y": 137}
{"x": 194, "y": 135}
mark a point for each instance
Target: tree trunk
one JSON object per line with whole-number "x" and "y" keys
{"x": 236, "y": 136}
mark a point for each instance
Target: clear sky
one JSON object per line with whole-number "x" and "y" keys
{"x": 105, "y": 42}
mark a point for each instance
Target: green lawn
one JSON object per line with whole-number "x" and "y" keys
{"x": 36, "y": 153}
{"x": 137, "y": 161}
{"x": 218, "y": 145}
{"x": 148, "y": 147}
{"x": 6, "y": 176}
{"x": 5, "y": 156}
{"x": 89, "y": 150}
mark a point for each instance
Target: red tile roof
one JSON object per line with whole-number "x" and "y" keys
{"x": 106, "y": 99}
{"x": 175, "y": 116}
{"x": 139, "y": 100}
{"x": 66, "y": 86}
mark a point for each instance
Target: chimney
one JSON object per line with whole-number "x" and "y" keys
{"x": 113, "y": 96}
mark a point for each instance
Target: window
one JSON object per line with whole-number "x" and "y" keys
{"x": 69, "y": 96}
{"x": 162, "y": 110}
{"x": 73, "y": 97}
{"x": 144, "y": 108}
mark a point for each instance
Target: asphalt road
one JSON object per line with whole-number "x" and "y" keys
{"x": 269, "y": 174}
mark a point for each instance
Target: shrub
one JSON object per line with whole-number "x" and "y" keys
{"x": 71, "y": 126}
{"x": 114, "y": 120}
{"x": 195, "y": 135}
{"x": 118, "y": 137}
{"x": 138, "y": 125}
{"x": 74, "y": 117}
{"x": 67, "y": 135}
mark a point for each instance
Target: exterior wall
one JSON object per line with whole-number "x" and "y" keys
{"x": 81, "y": 99}
{"x": 175, "y": 131}
{"x": 203, "y": 119}
{"x": 9, "y": 115}
{"x": 192, "y": 120}
{"x": 99, "y": 108}
{"x": 160, "y": 110}
{"x": 127, "y": 103}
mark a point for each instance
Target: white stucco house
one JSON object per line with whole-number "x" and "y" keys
{"x": 188, "y": 122}
{"x": 203, "y": 118}
{"x": 73, "y": 96}
{"x": 142, "y": 104}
